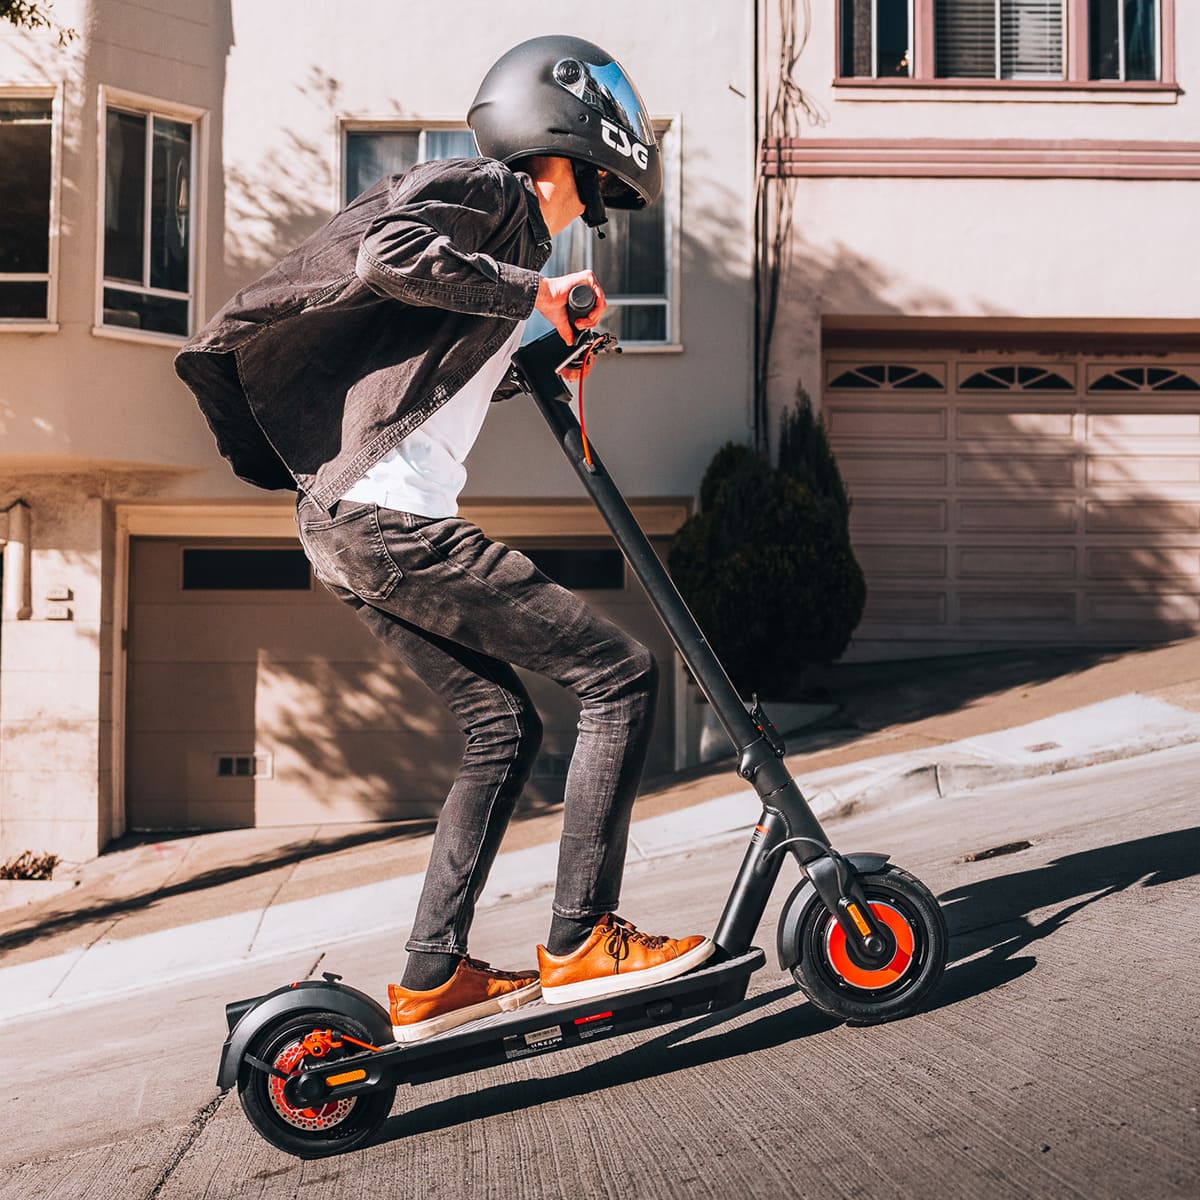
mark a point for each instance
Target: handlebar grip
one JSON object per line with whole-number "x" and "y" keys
{"x": 580, "y": 301}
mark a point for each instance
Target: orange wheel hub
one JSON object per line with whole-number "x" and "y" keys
{"x": 872, "y": 980}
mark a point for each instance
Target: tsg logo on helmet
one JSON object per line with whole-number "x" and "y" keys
{"x": 561, "y": 96}
{"x": 621, "y": 142}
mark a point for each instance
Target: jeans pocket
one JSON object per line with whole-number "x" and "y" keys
{"x": 348, "y": 552}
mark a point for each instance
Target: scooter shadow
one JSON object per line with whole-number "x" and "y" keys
{"x": 994, "y": 920}
{"x": 669, "y": 1052}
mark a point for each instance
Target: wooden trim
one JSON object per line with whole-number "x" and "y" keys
{"x": 1077, "y": 41}
{"x": 1136, "y": 335}
{"x": 659, "y": 517}
{"x": 902, "y": 83}
{"x": 1166, "y": 15}
{"x": 924, "y": 51}
{"x": 979, "y": 158}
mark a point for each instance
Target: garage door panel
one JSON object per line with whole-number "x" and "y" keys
{"x": 991, "y": 470}
{"x": 1110, "y": 516}
{"x": 1006, "y": 515}
{"x": 913, "y": 561}
{"x": 1142, "y": 610}
{"x": 1013, "y": 608}
{"x": 1141, "y": 562}
{"x": 1016, "y": 562}
{"x": 1141, "y": 425}
{"x": 1009, "y": 423}
{"x": 850, "y": 421}
{"x": 912, "y": 608}
{"x": 874, "y": 469}
{"x": 1150, "y": 469}
{"x": 172, "y": 698}
{"x": 1070, "y": 506}
{"x": 913, "y": 516}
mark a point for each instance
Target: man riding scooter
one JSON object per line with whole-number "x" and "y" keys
{"x": 358, "y": 372}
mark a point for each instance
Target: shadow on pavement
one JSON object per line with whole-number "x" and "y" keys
{"x": 653, "y": 1059}
{"x": 993, "y": 915}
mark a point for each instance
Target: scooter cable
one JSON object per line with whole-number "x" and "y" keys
{"x": 584, "y": 366}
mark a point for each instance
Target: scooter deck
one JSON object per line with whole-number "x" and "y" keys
{"x": 539, "y": 1028}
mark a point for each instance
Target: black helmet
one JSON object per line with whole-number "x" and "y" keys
{"x": 565, "y": 97}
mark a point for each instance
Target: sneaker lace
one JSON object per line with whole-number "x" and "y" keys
{"x": 622, "y": 933}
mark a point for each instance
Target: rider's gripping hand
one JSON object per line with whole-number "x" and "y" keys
{"x": 551, "y": 302}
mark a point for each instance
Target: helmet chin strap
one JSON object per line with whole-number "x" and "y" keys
{"x": 587, "y": 184}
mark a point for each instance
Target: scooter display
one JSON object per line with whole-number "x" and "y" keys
{"x": 315, "y": 1063}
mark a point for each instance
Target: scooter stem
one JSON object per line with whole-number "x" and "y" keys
{"x": 536, "y": 364}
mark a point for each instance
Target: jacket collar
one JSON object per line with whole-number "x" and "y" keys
{"x": 540, "y": 232}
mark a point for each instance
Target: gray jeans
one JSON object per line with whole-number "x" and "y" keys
{"x": 460, "y": 609}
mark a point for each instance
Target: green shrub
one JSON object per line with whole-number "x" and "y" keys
{"x": 766, "y": 564}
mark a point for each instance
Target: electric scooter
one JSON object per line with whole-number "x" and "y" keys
{"x": 315, "y": 1062}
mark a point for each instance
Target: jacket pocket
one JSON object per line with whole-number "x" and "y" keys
{"x": 348, "y": 551}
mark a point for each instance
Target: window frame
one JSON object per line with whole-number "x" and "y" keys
{"x": 1076, "y": 66}
{"x": 666, "y": 127}
{"x": 48, "y": 323}
{"x": 170, "y": 110}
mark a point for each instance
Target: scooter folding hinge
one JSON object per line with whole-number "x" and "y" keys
{"x": 767, "y": 728}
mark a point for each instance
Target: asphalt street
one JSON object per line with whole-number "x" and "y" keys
{"x": 1060, "y": 1056}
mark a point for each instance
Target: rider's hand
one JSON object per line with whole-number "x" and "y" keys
{"x": 552, "y": 303}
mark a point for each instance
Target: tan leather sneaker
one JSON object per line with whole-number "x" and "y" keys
{"x": 617, "y": 958}
{"x": 474, "y": 990}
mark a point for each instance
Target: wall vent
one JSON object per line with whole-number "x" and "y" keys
{"x": 245, "y": 766}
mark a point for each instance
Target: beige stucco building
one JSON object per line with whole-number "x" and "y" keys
{"x": 989, "y": 287}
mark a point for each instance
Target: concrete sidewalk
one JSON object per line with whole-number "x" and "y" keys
{"x": 163, "y": 910}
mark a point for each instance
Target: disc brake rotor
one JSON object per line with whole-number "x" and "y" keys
{"x": 313, "y": 1120}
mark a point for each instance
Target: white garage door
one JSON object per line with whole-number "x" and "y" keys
{"x": 255, "y": 698}
{"x": 1018, "y": 498}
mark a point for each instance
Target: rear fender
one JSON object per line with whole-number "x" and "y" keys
{"x": 317, "y": 995}
{"x": 791, "y": 919}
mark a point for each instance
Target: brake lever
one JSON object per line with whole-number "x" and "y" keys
{"x": 589, "y": 343}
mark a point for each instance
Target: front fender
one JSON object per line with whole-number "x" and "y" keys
{"x": 791, "y": 919}
{"x": 312, "y": 994}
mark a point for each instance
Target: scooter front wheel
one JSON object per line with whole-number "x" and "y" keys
{"x": 836, "y": 984}
{"x": 318, "y": 1131}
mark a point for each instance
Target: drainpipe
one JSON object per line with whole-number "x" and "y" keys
{"x": 18, "y": 556}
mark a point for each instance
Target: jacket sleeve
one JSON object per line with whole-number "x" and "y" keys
{"x": 429, "y": 247}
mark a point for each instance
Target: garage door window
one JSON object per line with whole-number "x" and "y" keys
{"x": 1145, "y": 379}
{"x": 245, "y": 570}
{"x": 1017, "y": 379}
{"x": 872, "y": 376}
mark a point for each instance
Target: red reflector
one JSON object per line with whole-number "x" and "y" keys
{"x": 593, "y": 1017}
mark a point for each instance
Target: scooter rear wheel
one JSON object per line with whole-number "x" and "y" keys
{"x": 308, "y": 1132}
{"x": 831, "y": 979}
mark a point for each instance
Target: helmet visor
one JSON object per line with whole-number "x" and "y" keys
{"x": 607, "y": 89}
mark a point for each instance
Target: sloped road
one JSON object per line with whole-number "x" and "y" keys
{"x": 1060, "y": 1057}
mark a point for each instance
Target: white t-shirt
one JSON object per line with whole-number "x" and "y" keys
{"x": 424, "y": 473}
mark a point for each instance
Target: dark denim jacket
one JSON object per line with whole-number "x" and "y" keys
{"x": 310, "y": 375}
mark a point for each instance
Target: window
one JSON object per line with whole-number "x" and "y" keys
{"x": 876, "y": 36}
{"x": 872, "y": 376}
{"x": 26, "y": 184}
{"x": 249, "y": 570}
{"x": 147, "y": 244}
{"x": 999, "y": 39}
{"x": 633, "y": 261}
{"x": 1036, "y": 41}
{"x": 1017, "y": 379}
{"x": 580, "y": 569}
{"x": 1124, "y": 41}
